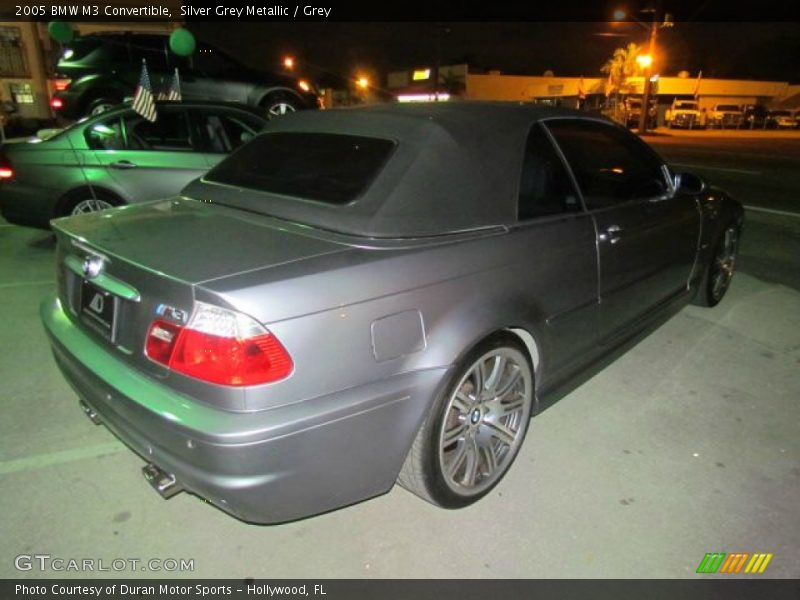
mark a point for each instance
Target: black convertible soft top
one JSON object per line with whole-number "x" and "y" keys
{"x": 456, "y": 167}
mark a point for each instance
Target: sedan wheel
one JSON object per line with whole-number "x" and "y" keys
{"x": 721, "y": 267}
{"x": 724, "y": 262}
{"x": 279, "y": 109}
{"x": 476, "y": 428}
{"x": 89, "y": 206}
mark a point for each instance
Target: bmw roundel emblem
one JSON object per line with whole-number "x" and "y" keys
{"x": 92, "y": 266}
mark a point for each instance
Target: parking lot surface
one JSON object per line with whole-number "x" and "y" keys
{"x": 688, "y": 444}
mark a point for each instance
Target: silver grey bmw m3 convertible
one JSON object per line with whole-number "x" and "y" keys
{"x": 367, "y": 296}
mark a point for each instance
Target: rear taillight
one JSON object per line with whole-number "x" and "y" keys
{"x": 219, "y": 346}
{"x": 56, "y": 103}
{"x": 6, "y": 170}
{"x": 61, "y": 85}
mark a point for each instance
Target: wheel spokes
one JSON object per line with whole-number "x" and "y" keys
{"x": 501, "y": 432}
{"x": 484, "y": 421}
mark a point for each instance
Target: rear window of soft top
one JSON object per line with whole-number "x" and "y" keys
{"x": 330, "y": 168}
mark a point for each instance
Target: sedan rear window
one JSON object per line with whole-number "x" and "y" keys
{"x": 329, "y": 168}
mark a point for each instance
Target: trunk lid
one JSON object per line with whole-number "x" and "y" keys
{"x": 151, "y": 258}
{"x": 191, "y": 242}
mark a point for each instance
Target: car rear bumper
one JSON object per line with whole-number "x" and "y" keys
{"x": 29, "y": 205}
{"x": 70, "y": 104}
{"x": 265, "y": 467}
{"x": 684, "y": 120}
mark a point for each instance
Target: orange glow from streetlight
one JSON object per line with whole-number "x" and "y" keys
{"x": 362, "y": 82}
{"x": 645, "y": 61}
{"x": 288, "y": 63}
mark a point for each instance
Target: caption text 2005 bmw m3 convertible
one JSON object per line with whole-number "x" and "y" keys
{"x": 358, "y": 297}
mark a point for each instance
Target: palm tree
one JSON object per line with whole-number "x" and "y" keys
{"x": 620, "y": 67}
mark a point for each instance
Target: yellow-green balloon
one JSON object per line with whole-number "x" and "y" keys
{"x": 181, "y": 42}
{"x": 60, "y": 31}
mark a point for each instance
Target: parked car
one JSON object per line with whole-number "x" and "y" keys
{"x": 684, "y": 114}
{"x": 118, "y": 158}
{"x": 754, "y": 116}
{"x": 360, "y": 296}
{"x": 726, "y": 116}
{"x": 633, "y": 113}
{"x": 101, "y": 70}
{"x": 782, "y": 119}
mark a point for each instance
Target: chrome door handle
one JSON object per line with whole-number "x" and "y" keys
{"x": 611, "y": 234}
{"x": 123, "y": 164}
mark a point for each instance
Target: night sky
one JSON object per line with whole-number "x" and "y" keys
{"x": 331, "y": 50}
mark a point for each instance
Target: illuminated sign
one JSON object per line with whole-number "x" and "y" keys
{"x": 421, "y": 74}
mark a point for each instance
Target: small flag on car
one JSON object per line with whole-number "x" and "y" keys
{"x": 143, "y": 101}
{"x": 173, "y": 92}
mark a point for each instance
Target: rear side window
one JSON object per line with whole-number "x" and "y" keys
{"x": 222, "y": 131}
{"x": 168, "y": 133}
{"x": 545, "y": 186}
{"x": 152, "y": 49}
{"x": 325, "y": 167}
{"x": 611, "y": 165}
{"x": 79, "y": 48}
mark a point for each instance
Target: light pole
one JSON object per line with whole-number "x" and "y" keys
{"x": 652, "y": 28}
{"x": 648, "y": 72}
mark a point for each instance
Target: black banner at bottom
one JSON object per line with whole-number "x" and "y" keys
{"x": 411, "y": 589}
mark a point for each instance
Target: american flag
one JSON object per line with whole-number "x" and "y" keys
{"x": 143, "y": 101}
{"x": 697, "y": 85}
{"x": 173, "y": 92}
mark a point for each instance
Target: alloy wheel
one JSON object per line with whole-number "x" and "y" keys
{"x": 484, "y": 421}
{"x": 90, "y": 205}
{"x": 724, "y": 262}
{"x": 280, "y": 108}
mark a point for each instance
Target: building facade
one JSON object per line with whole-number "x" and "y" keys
{"x": 587, "y": 91}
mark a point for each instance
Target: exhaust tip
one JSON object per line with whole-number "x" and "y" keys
{"x": 162, "y": 482}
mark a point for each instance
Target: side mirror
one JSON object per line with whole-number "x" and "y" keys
{"x": 246, "y": 137}
{"x": 689, "y": 183}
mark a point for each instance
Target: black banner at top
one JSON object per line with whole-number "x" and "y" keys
{"x": 436, "y": 10}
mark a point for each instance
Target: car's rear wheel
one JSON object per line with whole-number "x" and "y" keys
{"x": 278, "y": 104}
{"x": 101, "y": 105}
{"x": 719, "y": 272}
{"x": 82, "y": 202}
{"x": 475, "y": 428}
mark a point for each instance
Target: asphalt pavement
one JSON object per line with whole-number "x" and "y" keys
{"x": 688, "y": 444}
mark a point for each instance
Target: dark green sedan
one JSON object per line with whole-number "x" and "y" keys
{"x": 118, "y": 158}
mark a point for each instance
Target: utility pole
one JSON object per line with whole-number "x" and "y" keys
{"x": 648, "y": 74}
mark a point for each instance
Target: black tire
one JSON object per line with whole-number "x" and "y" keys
{"x": 277, "y": 104}
{"x": 433, "y": 467}
{"x": 68, "y": 204}
{"x": 720, "y": 268}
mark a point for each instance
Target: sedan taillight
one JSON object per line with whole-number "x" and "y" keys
{"x": 61, "y": 85}
{"x": 6, "y": 169}
{"x": 219, "y": 346}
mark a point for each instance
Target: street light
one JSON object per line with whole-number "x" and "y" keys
{"x": 362, "y": 83}
{"x": 646, "y": 60}
{"x": 288, "y": 63}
